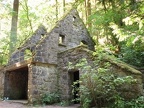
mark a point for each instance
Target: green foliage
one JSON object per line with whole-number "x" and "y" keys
{"x": 120, "y": 24}
{"x": 65, "y": 103}
{"x": 50, "y": 98}
{"x": 133, "y": 54}
{"x": 4, "y": 52}
{"x": 134, "y": 103}
{"x": 99, "y": 85}
{"x": 28, "y": 54}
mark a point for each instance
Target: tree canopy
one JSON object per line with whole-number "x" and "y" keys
{"x": 116, "y": 26}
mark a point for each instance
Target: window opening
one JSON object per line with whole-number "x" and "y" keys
{"x": 27, "y": 54}
{"x": 74, "y": 18}
{"x": 61, "y": 39}
{"x": 42, "y": 35}
{"x": 83, "y": 42}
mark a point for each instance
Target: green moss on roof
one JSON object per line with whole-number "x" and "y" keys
{"x": 109, "y": 58}
{"x": 120, "y": 64}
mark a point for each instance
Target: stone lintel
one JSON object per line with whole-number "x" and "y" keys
{"x": 18, "y": 65}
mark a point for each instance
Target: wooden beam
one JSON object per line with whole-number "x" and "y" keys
{"x": 18, "y": 65}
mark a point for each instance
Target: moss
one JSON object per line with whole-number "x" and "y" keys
{"x": 121, "y": 64}
{"x": 113, "y": 60}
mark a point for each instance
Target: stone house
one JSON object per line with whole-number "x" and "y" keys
{"x": 40, "y": 64}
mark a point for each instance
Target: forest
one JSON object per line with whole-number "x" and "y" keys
{"x": 116, "y": 26}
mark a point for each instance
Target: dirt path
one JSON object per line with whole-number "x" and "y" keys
{"x": 10, "y": 104}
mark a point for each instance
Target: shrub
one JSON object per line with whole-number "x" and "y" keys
{"x": 98, "y": 85}
{"x": 65, "y": 103}
{"x": 50, "y": 98}
{"x": 135, "y": 103}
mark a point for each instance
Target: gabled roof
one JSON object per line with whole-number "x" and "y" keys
{"x": 42, "y": 44}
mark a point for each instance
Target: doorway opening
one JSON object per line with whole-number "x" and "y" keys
{"x": 16, "y": 84}
{"x": 74, "y": 76}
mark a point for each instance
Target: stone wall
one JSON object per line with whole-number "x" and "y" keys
{"x": 72, "y": 31}
{"x": 46, "y": 51}
{"x": 142, "y": 70}
{"x": 30, "y": 44}
{"x": 44, "y": 45}
{"x": 2, "y": 76}
{"x": 42, "y": 79}
{"x": 73, "y": 56}
{"x": 128, "y": 91}
{"x": 119, "y": 68}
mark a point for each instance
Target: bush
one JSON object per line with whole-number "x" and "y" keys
{"x": 50, "y": 98}
{"x": 135, "y": 103}
{"x": 99, "y": 86}
{"x": 122, "y": 103}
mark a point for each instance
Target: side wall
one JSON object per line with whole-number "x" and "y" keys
{"x": 2, "y": 76}
{"x": 46, "y": 51}
{"x": 30, "y": 44}
{"x": 42, "y": 79}
{"x": 74, "y": 55}
{"x": 68, "y": 33}
{"x": 129, "y": 91}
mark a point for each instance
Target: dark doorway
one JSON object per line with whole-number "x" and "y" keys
{"x": 16, "y": 84}
{"x": 74, "y": 76}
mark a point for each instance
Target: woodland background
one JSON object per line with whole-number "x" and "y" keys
{"x": 116, "y": 26}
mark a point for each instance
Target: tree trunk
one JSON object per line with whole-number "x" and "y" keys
{"x": 13, "y": 35}
{"x": 63, "y": 6}
{"x": 86, "y": 10}
{"x": 27, "y": 14}
{"x": 56, "y": 9}
{"x": 89, "y": 13}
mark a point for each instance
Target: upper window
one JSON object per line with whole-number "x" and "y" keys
{"x": 74, "y": 18}
{"x": 83, "y": 42}
{"x": 61, "y": 39}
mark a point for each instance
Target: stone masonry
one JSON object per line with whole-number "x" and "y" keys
{"x": 42, "y": 64}
{"x": 44, "y": 68}
{"x": 118, "y": 68}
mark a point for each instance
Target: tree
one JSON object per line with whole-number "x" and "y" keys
{"x": 89, "y": 13}
{"x": 56, "y": 1}
{"x": 119, "y": 23}
{"x": 13, "y": 35}
{"x": 64, "y": 6}
{"x": 27, "y": 14}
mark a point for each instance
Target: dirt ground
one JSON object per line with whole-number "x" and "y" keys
{"x": 11, "y": 104}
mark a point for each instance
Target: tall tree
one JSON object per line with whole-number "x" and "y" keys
{"x": 89, "y": 13}
{"x": 63, "y": 6}
{"x": 56, "y": 1}
{"x": 13, "y": 35}
{"x": 27, "y": 14}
